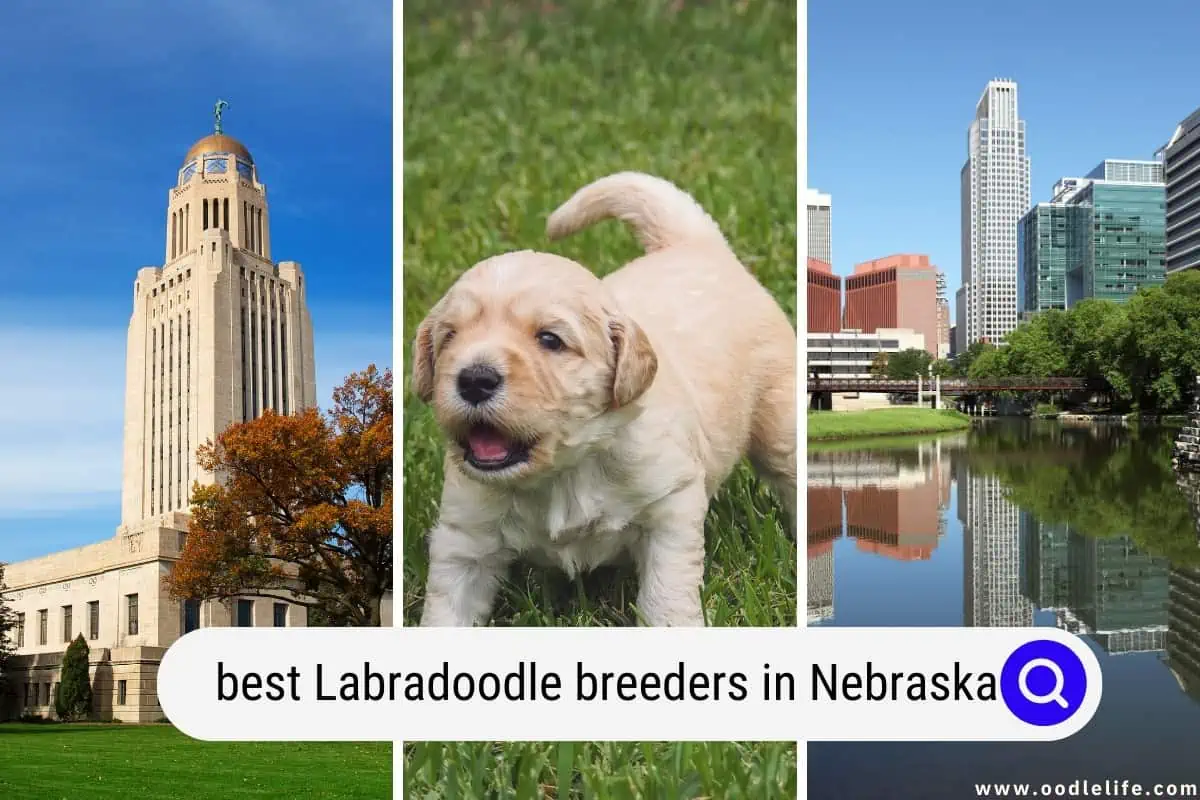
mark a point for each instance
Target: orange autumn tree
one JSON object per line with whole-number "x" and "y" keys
{"x": 302, "y": 508}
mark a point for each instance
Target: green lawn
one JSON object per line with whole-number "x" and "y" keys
{"x": 600, "y": 771}
{"x": 65, "y": 762}
{"x": 899, "y": 421}
{"x": 507, "y": 111}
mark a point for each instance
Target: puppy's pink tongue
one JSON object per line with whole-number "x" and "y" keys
{"x": 487, "y": 445}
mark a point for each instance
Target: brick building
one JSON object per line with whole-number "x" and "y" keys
{"x": 896, "y": 291}
{"x": 824, "y": 298}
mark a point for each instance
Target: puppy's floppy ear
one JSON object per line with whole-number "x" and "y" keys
{"x": 637, "y": 364}
{"x": 423, "y": 358}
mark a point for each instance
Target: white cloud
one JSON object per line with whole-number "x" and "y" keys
{"x": 62, "y": 411}
{"x": 61, "y": 416}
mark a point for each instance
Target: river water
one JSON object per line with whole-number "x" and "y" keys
{"x": 1017, "y": 523}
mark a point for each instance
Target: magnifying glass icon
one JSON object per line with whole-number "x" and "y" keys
{"x": 1041, "y": 698}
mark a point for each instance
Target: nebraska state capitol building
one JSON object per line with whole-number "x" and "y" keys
{"x": 219, "y": 334}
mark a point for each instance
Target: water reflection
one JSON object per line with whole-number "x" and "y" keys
{"x": 891, "y": 508}
{"x": 1183, "y": 629}
{"x": 1023, "y": 524}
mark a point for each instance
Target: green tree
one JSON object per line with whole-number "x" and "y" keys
{"x": 73, "y": 698}
{"x": 944, "y": 368}
{"x": 908, "y": 363}
{"x": 964, "y": 360}
{"x": 879, "y": 365}
{"x": 1142, "y": 353}
{"x": 991, "y": 362}
{"x": 1096, "y": 344}
{"x": 304, "y": 514}
{"x": 1163, "y": 357}
{"x": 1035, "y": 349}
{"x": 7, "y": 645}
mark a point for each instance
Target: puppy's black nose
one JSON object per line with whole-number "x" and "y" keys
{"x": 478, "y": 382}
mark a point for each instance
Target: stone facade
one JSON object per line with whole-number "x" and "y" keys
{"x": 219, "y": 334}
{"x": 112, "y": 594}
{"x": 1187, "y": 443}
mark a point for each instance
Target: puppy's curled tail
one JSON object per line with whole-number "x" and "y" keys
{"x": 660, "y": 213}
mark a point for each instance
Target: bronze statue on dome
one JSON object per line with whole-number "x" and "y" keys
{"x": 218, "y": 112}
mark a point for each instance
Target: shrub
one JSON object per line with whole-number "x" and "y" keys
{"x": 73, "y": 699}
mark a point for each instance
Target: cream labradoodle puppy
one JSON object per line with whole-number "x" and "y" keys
{"x": 589, "y": 420}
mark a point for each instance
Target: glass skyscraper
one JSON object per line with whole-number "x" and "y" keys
{"x": 1103, "y": 236}
{"x": 1049, "y": 238}
{"x": 1127, "y": 248}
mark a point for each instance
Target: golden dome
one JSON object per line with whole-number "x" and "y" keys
{"x": 218, "y": 143}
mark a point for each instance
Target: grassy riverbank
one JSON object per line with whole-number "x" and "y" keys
{"x": 903, "y": 421}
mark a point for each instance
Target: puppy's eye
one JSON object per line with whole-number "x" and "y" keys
{"x": 445, "y": 340}
{"x": 550, "y": 341}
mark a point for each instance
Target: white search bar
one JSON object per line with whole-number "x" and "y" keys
{"x": 629, "y": 684}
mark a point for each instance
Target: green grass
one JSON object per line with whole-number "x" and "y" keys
{"x": 507, "y": 111}
{"x": 600, "y": 771}
{"x": 64, "y": 762}
{"x": 845, "y": 425}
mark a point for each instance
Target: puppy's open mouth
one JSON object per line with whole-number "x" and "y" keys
{"x": 490, "y": 450}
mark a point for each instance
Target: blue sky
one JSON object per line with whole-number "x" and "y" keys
{"x": 892, "y": 88}
{"x": 100, "y": 102}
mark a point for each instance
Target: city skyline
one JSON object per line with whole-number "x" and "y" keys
{"x": 900, "y": 192}
{"x": 89, "y": 161}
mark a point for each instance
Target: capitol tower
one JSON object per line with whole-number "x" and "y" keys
{"x": 219, "y": 333}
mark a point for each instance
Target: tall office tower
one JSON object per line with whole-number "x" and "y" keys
{"x": 219, "y": 334}
{"x": 820, "y": 228}
{"x": 1181, "y": 157}
{"x": 1101, "y": 236}
{"x": 995, "y": 195}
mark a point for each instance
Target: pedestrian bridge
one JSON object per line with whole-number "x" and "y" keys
{"x": 948, "y": 386}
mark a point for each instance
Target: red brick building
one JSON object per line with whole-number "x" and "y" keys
{"x": 824, "y": 298}
{"x": 897, "y": 291}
